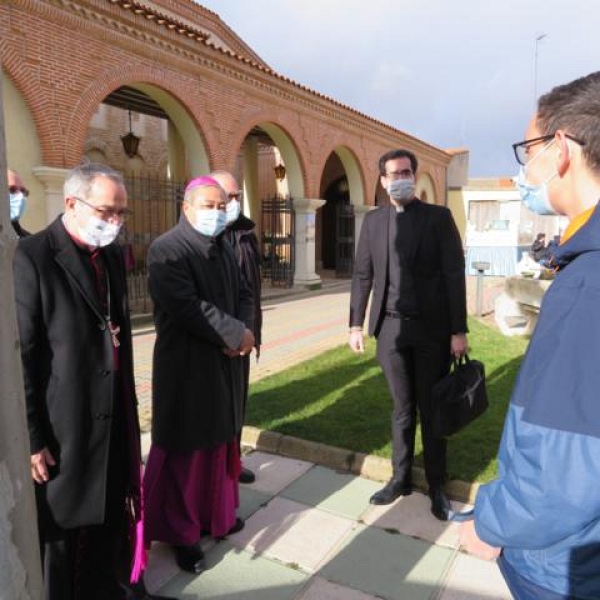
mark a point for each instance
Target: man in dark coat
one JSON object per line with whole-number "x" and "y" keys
{"x": 81, "y": 408}
{"x": 240, "y": 233}
{"x": 18, "y": 195}
{"x": 410, "y": 255}
{"x": 204, "y": 316}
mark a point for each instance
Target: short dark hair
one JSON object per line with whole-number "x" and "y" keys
{"x": 575, "y": 107}
{"x": 392, "y": 154}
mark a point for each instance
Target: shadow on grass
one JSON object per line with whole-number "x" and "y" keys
{"x": 347, "y": 407}
{"x": 347, "y": 404}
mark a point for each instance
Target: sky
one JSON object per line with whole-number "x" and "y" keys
{"x": 451, "y": 72}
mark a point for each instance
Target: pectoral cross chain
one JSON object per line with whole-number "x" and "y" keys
{"x": 114, "y": 332}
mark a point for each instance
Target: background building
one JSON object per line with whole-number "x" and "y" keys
{"x": 80, "y": 75}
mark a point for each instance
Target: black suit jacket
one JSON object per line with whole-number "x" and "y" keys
{"x": 68, "y": 370}
{"x": 435, "y": 257}
{"x": 200, "y": 307}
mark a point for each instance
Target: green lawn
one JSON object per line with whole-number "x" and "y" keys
{"x": 341, "y": 399}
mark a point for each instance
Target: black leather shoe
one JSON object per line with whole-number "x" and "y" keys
{"x": 190, "y": 558}
{"x": 440, "y": 505}
{"x": 247, "y": 476}
{"x": 389, "y": 493}
{"x": 237, "y": 526}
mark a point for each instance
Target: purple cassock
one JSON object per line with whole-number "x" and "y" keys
{"x": 190, "y": 494}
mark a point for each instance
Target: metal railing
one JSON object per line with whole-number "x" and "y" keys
{"x": 278, "y": 240}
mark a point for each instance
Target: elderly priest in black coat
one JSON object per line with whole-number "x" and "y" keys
{"x": 204, "y": 317}
{"x": 81, "y": 407}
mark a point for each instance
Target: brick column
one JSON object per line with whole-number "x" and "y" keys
{"x": 305, "y": 209}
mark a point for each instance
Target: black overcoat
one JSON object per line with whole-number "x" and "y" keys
{"x": 201, "y": 307}
{"x": 68, "y": 370}
{"x": 436, "y": 259}
{"x": 242, "y": 238}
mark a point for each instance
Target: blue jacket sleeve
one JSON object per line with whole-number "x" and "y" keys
{"x": 549, "y": 462}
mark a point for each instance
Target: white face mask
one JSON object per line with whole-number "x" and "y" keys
{"x": 98, "y": 233}
{"x": 17, "y": 205}
{"x": 233, "y": 211}
{"x": 401, "y": 190}
{"x": 210, "y": 222}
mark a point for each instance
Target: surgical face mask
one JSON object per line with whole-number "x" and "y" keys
{"x": 210, "y": 222}
{"x": 401, "y": 190}
{"x": 17, "y": 205}
{"x": 535, "y": 196}
{"x": 233, "y": 211}
{"x": 99, "y": 233}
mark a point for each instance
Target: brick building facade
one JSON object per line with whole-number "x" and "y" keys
{"x": 62, "y": 59}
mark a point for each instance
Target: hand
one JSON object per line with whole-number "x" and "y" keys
{"x": 470, "y": 541}
{"x": 459, "y": 345}
{"x": 229, "y": 352}
{"x": 357, "y": 342}
{"x": 39, "y": 465}
{"x": 247, "y": 344}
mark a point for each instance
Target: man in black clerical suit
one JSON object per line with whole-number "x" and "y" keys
{"x": 410, "y": 255}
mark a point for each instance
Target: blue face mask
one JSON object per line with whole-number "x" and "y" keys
{"x": 534, "y": 197}
{"x": 210, "y": 222}
{"x": 17, "y": 205}
{"x": 233, "y": 211}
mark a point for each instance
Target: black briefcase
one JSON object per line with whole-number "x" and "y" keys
{"x": 459, "y": 397}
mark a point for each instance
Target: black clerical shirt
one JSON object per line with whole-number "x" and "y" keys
{"x": 401, "y": 293}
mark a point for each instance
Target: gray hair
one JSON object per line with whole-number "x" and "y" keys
{"x": 80, "y": 179}
{"x": 192, "y": 194}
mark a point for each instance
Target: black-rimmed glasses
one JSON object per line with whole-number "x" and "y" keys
{"x": 108, "y": 214}
{"x": 521, "y": 149}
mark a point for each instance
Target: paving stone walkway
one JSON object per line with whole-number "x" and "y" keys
{"x": 310, "y": 532}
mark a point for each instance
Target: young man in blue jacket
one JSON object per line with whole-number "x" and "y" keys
{"x": 541, "y": 517}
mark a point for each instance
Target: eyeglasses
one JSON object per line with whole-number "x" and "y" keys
{"x": 404, "y": 174}
{"x": 107, "y": 213}
{"x": 13, "y": 189}
{"x": 521, "y": 149}
{"x": 236, "y": 195}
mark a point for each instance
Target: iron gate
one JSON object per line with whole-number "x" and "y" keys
{"x": 277, "y": 240}
{"x": 344, "y": 235}
{"x": 156, "y": 204}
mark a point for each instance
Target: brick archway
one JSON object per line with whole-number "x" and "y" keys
{"x": 145, "y": 78}
{"x": 38, "y": 105}
{"x": 353, "y": 168}
{"x": 286, "y": 138}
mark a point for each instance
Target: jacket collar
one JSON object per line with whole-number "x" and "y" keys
{"x": 586, "y": 239}
{"x": 242, "y": 223}
{"x": 69, "y": 258}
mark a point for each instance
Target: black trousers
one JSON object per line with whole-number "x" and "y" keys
{"x": 91, "y": 562}
{"x": 85, "y": 563}
{"x": 412, "y": 362}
